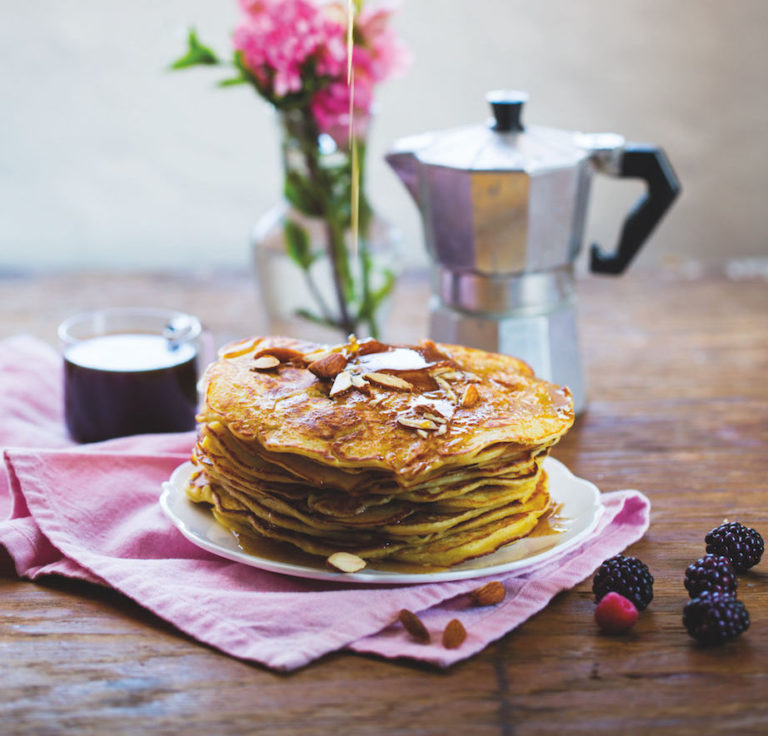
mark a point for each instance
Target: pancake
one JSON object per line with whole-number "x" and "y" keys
{"x": 428, "y": 454}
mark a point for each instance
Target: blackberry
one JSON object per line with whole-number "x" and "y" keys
{"x": 740, "y": 544}
{"x": 628, "y": 577}
{"x": 711, "y": 572}
{"x": 714, "y": 618}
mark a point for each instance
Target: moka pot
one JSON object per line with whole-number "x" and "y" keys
{"x": 503, "y": 208}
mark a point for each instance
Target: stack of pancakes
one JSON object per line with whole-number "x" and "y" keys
{"x": 428, "y": 454}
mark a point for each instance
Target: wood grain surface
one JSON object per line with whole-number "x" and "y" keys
{"x": 678, "y": 408}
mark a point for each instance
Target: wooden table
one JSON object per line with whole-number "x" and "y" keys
{"x": 678, "y": 377}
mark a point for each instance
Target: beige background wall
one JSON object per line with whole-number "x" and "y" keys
{"x": 107, "y": 160}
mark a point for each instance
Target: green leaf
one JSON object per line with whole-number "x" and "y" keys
{"x": 297, "y": 244}
{"x": 197, "y": 54}
{"x": 232, "y": 81}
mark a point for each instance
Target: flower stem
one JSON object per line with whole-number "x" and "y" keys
{"x": 335, "y": 245}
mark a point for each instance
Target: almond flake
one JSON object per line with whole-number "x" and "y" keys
{"x": 416, "y": 423}
{"x": 436, "y": 418}
{"x": 359, "y": 381}
{"x": 470, "y": 396}
{"x": 265, "y": 363}
{"x": 346, "y": 562}
{"x": 317, "y": 355}
{"x": 449, "y": 392}
{"x": 342, "y": 383}
{"x": 389, "y": 381}
{"x": 284, "y": 355}
{"x": 422, "y": 433}
{"x": 450, "y": 375}
{"x": 442, "y": 429}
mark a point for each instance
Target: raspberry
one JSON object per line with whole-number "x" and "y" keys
{"x": 711, "y": 572}
{"x": 740, "y": 544}
{"x": 714, "y": 618}
{"x": 626, "y": 576}
{"x": 615, "y": 614}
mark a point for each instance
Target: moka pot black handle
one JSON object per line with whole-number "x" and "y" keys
{"x": 647, "y": 162}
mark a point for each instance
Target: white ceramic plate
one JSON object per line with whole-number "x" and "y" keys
{"x": 578, "y": 509}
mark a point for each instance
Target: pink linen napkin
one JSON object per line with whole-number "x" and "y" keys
{"x": 91, "y": 512}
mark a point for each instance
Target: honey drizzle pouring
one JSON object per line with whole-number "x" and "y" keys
{"x": 355, "y": 165}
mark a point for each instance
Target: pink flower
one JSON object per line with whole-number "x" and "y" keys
{"x": 389, "y": 56}
{"x": 292, "y": 46}
{"x": 281, "y": 40}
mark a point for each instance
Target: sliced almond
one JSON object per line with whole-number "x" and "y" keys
{"x": 389, "y": 381}
{"x": 436, "y": 418}
{"x": 284, "y": 355}
{"x": 470, "y": 396}
{"x": 454, "y": 634}
{"x": 361, "y": 384}
{"x": 449, "y": 374}
{"x": 414, "y": 423}
{"x": 317, "y": 355}
{"x": 265, "y": 363}
{"x": 329, "y": 366}
{"x": 449, "y": 392}
{"x": 442, "y": 429}
{"x": 346, "y": 562}
{"x": 414, "y": 626}
{"x": 422, "y": 433}
{"x": 370, "y": 345}
{"x": 489, "y": 594}
{"x": 342, "y": 383}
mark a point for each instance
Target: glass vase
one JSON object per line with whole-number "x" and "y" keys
{"x": 316, "y": 280}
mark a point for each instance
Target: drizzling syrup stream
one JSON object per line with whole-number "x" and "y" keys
{"x": 355, "y": 166}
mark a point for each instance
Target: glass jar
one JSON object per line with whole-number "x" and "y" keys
{"x": 316, "y": 280}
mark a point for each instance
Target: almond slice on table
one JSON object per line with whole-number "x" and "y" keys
{"x": 388, "y": 381}
{"x": 414, "y": 626}
{"x": 346, "y": 562}
{"x": 266, "y": 363}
